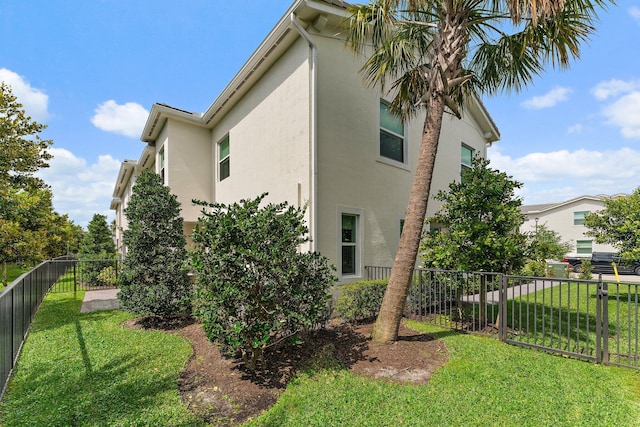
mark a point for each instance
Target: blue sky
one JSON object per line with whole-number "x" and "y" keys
{"x": 91, "y": 70}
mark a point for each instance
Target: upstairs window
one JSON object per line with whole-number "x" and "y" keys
{"x": 466, "y": 159}
{"x": 578, "y": 217}
{"x": 392, "y": 142}
{"x": 223, "y": 158}
{"x": 162, "y": 163}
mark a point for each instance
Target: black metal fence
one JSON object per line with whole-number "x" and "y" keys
{"x": 590, "y": 319}
{"x": 20, "y": 300}
{"x": 18, "y": 305}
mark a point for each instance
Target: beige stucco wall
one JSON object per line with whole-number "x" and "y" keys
{"x": 352, "y": 177}
{"x": 269, "y": 137}
{"x": 560, "y": 220}
{"x": 188, "y": 166}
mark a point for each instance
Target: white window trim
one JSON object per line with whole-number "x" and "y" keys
{"x": 359, "y": 213}
{"x": 473, "y": 154}
{"x": 220, "y": 160}
{"x": 161, "y": 163}
{"x": 405, "y": 144}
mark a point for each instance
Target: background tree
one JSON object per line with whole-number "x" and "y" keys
{"x": 97, "y": 242}
{"x": 436, "y": 55}
{"x": 479, "y": 222}
{"x": 254, "y": 287}
{"x": 25, "y": 200}
{"x": 97, "y": 253}
{"x": 543, "y": 244}
{"x": 618, "y": 224}
{"x": 154, "y": 278}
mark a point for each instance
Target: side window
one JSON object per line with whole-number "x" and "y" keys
{"x": 223, "y": 158}
{"x": 584, "y": 246}
{"x": 349, "y": 244}
{"x": 162, "y": 164}
{"x": 578, "y": 217}
{"x": 466, "y": 157}
{"x": 392, "y": 140}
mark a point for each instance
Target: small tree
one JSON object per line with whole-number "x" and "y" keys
{"x": 254, "y": 285}
{"x": 154, "y": 278}
{"x": 480, "y": 225}
{"x": 618, "y": 224}
{"x": 543, "y": 244}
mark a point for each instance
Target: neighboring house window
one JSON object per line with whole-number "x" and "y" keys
{"x": 466, "y": 157}
{"x": 223, "y": 156}
{"x": 350, "y": 243}
{"x": 584, "y": 246}
{"x": 578, "y": 217}
{"x": 162, "y": 164}
{"x": 392, "y": 141}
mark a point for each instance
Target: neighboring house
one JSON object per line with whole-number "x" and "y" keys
{"x": 297, "y": 122}
{"x": 567, "y": 219}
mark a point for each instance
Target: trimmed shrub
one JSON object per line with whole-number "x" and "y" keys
{"x": 535, "y": 269}
{"x": 154, "y": 278}
{"x": 361, "y": 300}
{"x": 586, "y": 272}
{"x": 254, "y": 287}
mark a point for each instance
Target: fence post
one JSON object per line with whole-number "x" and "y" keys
{"x": 502, "y": 308}
{"x": 605, "y": 321}
{"x": 75, "y": 280}
{"x": 599, "y": 321}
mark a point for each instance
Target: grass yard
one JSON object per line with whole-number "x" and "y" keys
{"x": 13, "y": 272}
{"x": 485, "y": 383}
{"x": 564, "y": 317}
{"x": 85, "y": 369}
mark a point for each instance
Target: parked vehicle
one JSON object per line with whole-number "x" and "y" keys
{"x": 602, "y": 262}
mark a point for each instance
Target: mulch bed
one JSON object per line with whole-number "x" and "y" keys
{"x": 219, "y": 390}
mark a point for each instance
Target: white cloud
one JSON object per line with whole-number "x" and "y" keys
{"x": 127, "y": 119}
{"x": 562, "y": 175}
{"x": 625, "y": 113}
{"x": 635, "y": 13}
{"x": 550, "y": 99}
{"x": 33, "y": 100}
{"x": 80, "y": 189}
{"x": 577, "y": 128}
{"x": 614, "y": 87}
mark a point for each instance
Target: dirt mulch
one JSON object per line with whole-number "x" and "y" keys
{"x": 219, "y": 390}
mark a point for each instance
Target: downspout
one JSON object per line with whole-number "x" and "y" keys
{"x": 313, "y": 58}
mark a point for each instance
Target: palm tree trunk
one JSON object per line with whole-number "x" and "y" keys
{"x": 386, "y": 327}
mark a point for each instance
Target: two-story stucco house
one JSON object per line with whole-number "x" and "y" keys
{"x": 567, "y": 219}
{"x": 297, "y": 122}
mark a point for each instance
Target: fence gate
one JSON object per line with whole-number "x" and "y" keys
{"x": 596, "y": 320}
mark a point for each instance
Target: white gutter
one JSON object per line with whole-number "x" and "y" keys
{"x": 313, "y": 88}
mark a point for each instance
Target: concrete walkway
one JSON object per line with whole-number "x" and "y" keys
{"x": 106, "y": 299}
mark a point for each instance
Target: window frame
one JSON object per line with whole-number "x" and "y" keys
{"x": 464, "y": 166}
{"x": 404, "y": 164}
{"x": 162, "y": 165}
{"x": 579, "y": 217}
{"x": 358, "y": 214}
{"x": 580, "y": 249}
{"x": 224, "y": 160}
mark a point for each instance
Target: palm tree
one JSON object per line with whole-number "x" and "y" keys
{"x": 435, "y": 55}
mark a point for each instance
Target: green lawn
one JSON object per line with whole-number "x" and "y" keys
{"x": 564, "y": 317}
{"x": 87, "y": 370}
{"x": 485, "y": 383}
{"x": 13, "y": 272}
